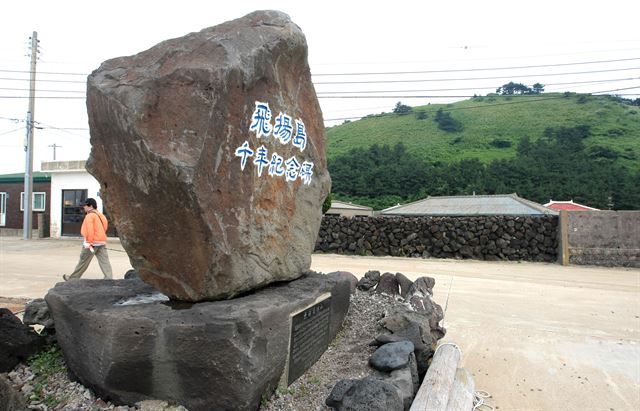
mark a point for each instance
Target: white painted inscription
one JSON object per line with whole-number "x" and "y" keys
{"x": 283, "y": 131}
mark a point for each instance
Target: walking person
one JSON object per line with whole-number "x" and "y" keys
{"x": 94, "y": 232}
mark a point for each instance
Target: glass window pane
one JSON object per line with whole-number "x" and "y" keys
{"x": 38, "y": 201}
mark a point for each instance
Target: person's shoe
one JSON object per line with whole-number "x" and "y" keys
{"x": 64, "y": 277}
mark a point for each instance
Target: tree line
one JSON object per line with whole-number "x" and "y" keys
{"x": 556, "y": 166}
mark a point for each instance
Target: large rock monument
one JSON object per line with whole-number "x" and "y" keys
{"x": 210, "y": 154}
{"x": 211, "y": 157}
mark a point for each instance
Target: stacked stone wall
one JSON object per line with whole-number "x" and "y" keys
{"x": 482, "y": 238}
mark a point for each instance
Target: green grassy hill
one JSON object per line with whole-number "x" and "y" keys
{"x": 493, "y": 125}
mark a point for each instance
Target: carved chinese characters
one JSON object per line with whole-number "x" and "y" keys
{"x": 292, "y": 168}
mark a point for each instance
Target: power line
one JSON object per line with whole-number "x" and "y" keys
{"x": 48, "y": 97}
{"x": 366, "y": 73}
{"x": 351, "y": 94}
{"x": 476, "y": 78}
{"x": 405, "y": 72}
{"x": 44, "y": 72}
{"x": 50, "y": 91}
{"x": 65, "y": 129}
{"x": 15, "y": 120}
{"x": 474, "y": 88}
{"x": 383, "y": 91}
{"x": 44, "y": 81}
{"x": 493, "y": 58}
{"x": 12, "y": 131}
{"x": 475, "y": 69}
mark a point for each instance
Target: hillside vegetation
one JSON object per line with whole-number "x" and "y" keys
{"x": 553, "y": 145}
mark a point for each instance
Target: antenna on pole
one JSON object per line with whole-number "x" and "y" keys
{"x": 28, "y": 173}
{"x": 54, "y": 146}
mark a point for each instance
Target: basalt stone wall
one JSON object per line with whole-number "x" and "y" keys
{"x": 481, "y": 238}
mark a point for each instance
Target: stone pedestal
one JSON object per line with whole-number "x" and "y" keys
{"x": 129, "y": 343}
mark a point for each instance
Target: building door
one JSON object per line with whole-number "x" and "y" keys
{"x": 72, "y": 211}
{"x": 3, "y": 209}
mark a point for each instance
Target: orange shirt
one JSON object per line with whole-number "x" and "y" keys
{"x": 94, "y": 228}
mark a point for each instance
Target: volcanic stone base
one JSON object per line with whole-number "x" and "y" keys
{"x": 221, "y": 355}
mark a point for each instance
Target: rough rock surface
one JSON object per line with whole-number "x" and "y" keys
{"x": 36, "y": 312}
{"x": 368, "y": 394}
{"x": 10, "y": 398}
{"x": 207, "y": 355}
{"x": 392, "y": 356}
{"x": 490, "y": 238}
{"x": 369, "y": 281}
{"x": 347, "y": 357}
{"x": 17, "y": 341}
{"x": 388, "y": 285}
{"x": 200, "y": 217}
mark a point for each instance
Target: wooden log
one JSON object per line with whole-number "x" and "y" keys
{"x": 433, "y": 394}
{"x": 462, "y": 392}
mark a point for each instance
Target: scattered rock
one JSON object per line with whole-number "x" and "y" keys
{"x": 402, "y": 379}
{"x": 36, "y": 312}
{"x": 353, "y": 280}
{"x": 388, "y": 285}
{"x": 158, "y": 405}
{"x": 411, "y": 332}
{"x": 369, "y": 394}
{"x": 10, "y": 398}
{"x": 391, "y": 356}
{"x": 369, "y": 281}
{"x": 422, "y": 286}
{"x": 235, "y": 350}
{"x": 346, "y": 358}
{"x": 404, "y": 283}
{"x": 17, "y": 341}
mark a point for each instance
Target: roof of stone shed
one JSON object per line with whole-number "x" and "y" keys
{"x": 500, "y": 204}
{"x": 349, "y": 206}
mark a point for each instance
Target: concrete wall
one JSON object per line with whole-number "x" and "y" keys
{"x": 610, "y": 238}
{"x": 70, "y": 180}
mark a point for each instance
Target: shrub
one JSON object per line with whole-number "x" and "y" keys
{"x": 498, "y": 143}
{"x": 447, "y": 123}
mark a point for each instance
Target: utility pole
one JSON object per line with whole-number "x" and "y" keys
{"x": 28, "y": 173}
{"x": 54, "y": 146}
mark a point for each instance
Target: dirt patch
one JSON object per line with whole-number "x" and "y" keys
{"x": 15, "y": 305}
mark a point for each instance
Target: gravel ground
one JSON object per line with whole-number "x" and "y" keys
{"x": 346, "y": 357}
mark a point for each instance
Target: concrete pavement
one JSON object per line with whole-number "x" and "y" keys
{"x": 536, "y": 336}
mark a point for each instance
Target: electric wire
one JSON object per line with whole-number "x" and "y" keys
{"x": 477, "y": 78}
{"x": 396, "y": 72}
{"x": 12, "y": 131}
{"x": 476, "y": 88}
{"x": 473, "y": 69}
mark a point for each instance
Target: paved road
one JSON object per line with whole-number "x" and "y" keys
{"x": 536, "y": 336}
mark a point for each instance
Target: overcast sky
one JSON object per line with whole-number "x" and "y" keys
{"x": 459, "y": 48}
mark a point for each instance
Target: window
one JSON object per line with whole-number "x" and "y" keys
{"x": 38, "y": 201}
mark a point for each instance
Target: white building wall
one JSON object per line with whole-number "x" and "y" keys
{"x": 70, "y": 180}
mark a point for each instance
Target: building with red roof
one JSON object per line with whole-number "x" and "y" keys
{"x": 568, "y": 206}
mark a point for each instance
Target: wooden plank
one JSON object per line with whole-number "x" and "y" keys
{"x": 433, "y": 394}
{"x": 462, "y": 392}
